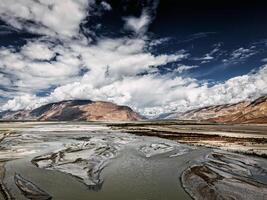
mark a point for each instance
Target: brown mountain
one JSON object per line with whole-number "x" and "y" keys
{"x": 75, "y": 110}
{"x": 242, "y": 112}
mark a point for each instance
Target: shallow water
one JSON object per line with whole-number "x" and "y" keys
{"x": 140, "y": 168}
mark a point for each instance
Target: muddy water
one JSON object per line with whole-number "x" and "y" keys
{"x": 130, "y": 176}
{"x": 132, "y": 167}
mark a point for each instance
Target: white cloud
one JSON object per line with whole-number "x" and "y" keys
{"x": 30, "y": 75}
{"x": 124, "y": 58}
{"x": 241, "y": 54}
{"x": 154, "y": 94}
{"x": 182, "y": 68}
{"x": 236, "y": 89}
{"x": 213, "y": 54}
{"x": 39, "y": 51}
{"x": 159, "y": 41}
{"x": 138, "y": 24}
{"x": 51, "y": 17}
{"x": 207, "y": 57}
{"x": 25, "y": 101}
{"x": 106, "y": 5}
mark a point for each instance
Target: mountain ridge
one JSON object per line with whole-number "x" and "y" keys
{"x": 242, "y": 112}
{"x": 74, "y": 110}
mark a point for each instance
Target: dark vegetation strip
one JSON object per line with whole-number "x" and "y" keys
{"x": 192, "y": 136}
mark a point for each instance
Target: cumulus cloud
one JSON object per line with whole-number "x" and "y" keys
{"x": 52, "y": 17}
{"x": 29, "y": 74}
{"x": 195, "y": 95}
{"x": 122, "y": 57}
{"x": 59, "y": 66}
{"x": 145, "y": 93}
{"x": 26, "y": 101}
{"x": 39, "y": 51}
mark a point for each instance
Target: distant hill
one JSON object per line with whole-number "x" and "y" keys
{"x": 75, "y": 110}
{"x": 242, "y": 112}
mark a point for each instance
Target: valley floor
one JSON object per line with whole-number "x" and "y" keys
{"x": 159, "y": 160}
{"x": 242, "y": 138}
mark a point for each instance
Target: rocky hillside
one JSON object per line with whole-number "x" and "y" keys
{"x": 242, "y": 112}
{"x": 75, "y": 110}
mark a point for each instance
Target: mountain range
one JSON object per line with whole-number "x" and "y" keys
{"x": 242, "y": 112}
{"x": 75, "y": 110}
{"x": 87, "y": 110}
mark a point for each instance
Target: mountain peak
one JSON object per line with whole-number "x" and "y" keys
{"x": 75, "y": 110}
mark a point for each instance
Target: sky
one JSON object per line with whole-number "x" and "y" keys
{"x": 156, "y": 56}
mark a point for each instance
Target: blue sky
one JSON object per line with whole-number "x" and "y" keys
{"x": 155, "y": 56}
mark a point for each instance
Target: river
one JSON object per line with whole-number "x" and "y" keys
{"x": 83, "y": 161}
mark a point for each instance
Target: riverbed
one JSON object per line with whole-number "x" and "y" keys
{"x": 92, "y": 161}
